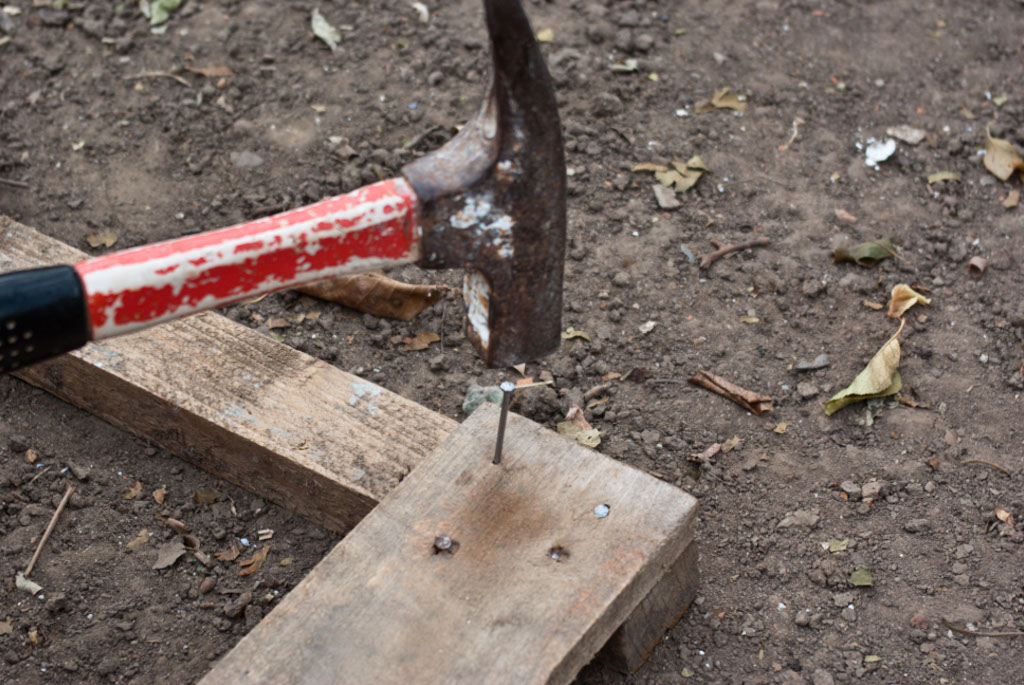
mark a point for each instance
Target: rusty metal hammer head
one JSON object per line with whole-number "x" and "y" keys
{"x": 492, "y": 200}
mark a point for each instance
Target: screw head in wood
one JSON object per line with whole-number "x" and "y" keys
{"x": 442, "y": 543}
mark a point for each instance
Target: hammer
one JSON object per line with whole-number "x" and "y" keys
{"x": 491, "y": 201}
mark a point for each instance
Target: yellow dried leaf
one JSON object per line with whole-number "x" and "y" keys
{"x": 844, "y": 215}
{"x": 545, "y": 36}
{"x": 206, "y": 496}
{"x": 570, "y": 333}
{"x": 104, "y": 238}
{"x": 159, "y": 495}
{"x": 749, "y": 319}
{"x": 576, "y": 427}
{"x": 731, "y": 444}
{"x": 904, "y": 297}
{"x": 877, "y": 306}
{"x": 1012, "y": 199}
{"x": 140, "y": 539}
{"x": 648, "y": 166}
{"x": 880, "y": 378}
{"x": 781, "y": 428}
{"x": 943, "y": 176}
{"x": 724, "y": 98}
{"x": 1001, "y": 158}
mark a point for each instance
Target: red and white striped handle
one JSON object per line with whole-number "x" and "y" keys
{"x": 374, "y": 227}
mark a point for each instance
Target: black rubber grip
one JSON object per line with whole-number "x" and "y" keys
{"x": 42, "y": 315}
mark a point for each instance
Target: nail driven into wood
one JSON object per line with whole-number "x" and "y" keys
{"x": 506, "y": 388}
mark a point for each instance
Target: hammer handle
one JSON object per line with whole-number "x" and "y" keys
{"x": 61, "y": 308}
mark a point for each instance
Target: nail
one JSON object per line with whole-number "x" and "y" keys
{"x": 506, "y": 387}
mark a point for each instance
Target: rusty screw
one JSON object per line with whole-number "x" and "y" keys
{"x": 506, "y": 388}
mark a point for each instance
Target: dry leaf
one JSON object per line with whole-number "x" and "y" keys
{"x": 177, "y": 526}
{"x": 545, "y": 36}
{"x": 29, "y": 586}
{"x": 277, "y": 322}
{"x": 217, "y": 71}
{"x": 648, "y": 166}
{"x": 781, "y": 428}
{"x": 746, "y": 318}
{"x": 31, "y": 455}
{"x": 835, "y": 546}
{"x": 323, "y": 30}
{"x": 253, "y": 563}
{"x": 133, "y": 491}
{"x": 731, "y": 444}
{"x": 904, "y": 297}
{"x": 865, "y": 254}
{"x": 1005, "y": 516}
{"x": 140, "y": 539}
{"x": 104, "y": 238}
{"x": 376, "y": 294}
{"x": 1001, "y": 158}
{"x": 752, "y": 401}
{"x": 168, "y": 553}
{"x": 723, "y": 98}
{"x": 571, "y": 333}
{"x": 206, "y": 496}
{"x": 1012, "y": 199}
{"x": 940, "y": 176}
{"x": 6, "y": 628}
{"x": 844, "y": 215}
{"x": 575, "y": 427}
{"x": 976, "y": 266}
{"x": 421, "y": 341}
{"x": 159, "y": 495}
{"x": 877, "y": 306}
{"x": 231, "y": 553}
{"x": 880, "y": 378}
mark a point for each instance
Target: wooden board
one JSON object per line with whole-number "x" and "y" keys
{"x": 293, "y": 429}
{"x": 630, "y": 645}
{"x": 385, "y": 607}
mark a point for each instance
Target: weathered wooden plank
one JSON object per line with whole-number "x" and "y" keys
{"x": 291, "y": 428}
{"x": 385, "y": 607}
{"x": 630, "y": 645}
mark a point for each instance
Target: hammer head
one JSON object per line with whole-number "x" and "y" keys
{"x": 492, "y": 201}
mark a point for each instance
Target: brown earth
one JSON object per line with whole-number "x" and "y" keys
{"x": 102, "y": 145}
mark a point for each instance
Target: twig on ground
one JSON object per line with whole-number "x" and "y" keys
{"x": 444, "y": 311}
{"x": 159, "y": 74}
{"x": 36, "y": 477}
{"x": 709, "y": 258}
{"x": 12, "y": 183}
{"x": 986, "y": 463}
{"x": 977, "y": 633}
{"x": 49, "y": 528}
{"x": 793, "y": 134}
{"x": 595, "y": 391}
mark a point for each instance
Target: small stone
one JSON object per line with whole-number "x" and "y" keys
{"x": 871, "y": 490}
{"x": 437, "y": 363}
{"x": 246, "y": 159}
{"x": 842, "y": 599}
{"x": 209, "y": 582}
{"x": 914, "y": 488}
{"x": 822, "y": 677}
{"x": 621, "y": 279}
{"x": 917, "y": 525}
{"x": 849, "y": 614}
{"x": 78, "y": 471}
{"x": 803, "y": 618}
{"x": 963, "y": 580}
{"x": 606, "y": 105}
{"x": 812, "y": 287}
{"x": 236, "y": 608}
{"x": 959, "y": 567}
{"x": 630, "y": 18}
{"x": 819, "y": 362}
{"x": 801, "y": 517}
{"x": 666, "y": 197}
{"x": 964, "y": 551}
{"x": 807, "y": 390}
{"x": 435, "y": 78}
{"x": 930, "y": 486}
{"x": 851, "y": 489}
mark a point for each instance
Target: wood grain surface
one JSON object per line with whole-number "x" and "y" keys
{"x": 385, "y": 607}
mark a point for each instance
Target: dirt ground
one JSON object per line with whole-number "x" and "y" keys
{"x": 106, "y": 125}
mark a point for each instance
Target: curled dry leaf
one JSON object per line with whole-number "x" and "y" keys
{"x": 376, "y": 294}
{"x": 160, "y": 495}
{"x": 1005, "y": 516}
{"x": 177, "y": 526}
{"x": 421, "y": 341}
{"x": 940, "y": 176}
{"x": 231, "y": 553}
{"x": 723, "y": 98}
{"x": 751, "y": 401}
{"x": 101, "y": 238}
{"x": 731, "y": 444}
{"x": 976, "y": 266}
{"x": 1001, "y": 158}
{"x": 576, "y": 427}
{"x": 570, "y": 333}
{"x": 323, "y": 30}
{"x": 844, "y": 215}
{"x": 139, "y": 540}
{"x": 1012, "y": 199}
{"x": 206, "y": 496}
{"x": 904, "y": 297}
{"x": 133, "y": 491}
{"x": 865, "y": 254}
{"x": 168, "y": 553}
{"x": 880, "y": 378}
{"x": 253, "y": 563}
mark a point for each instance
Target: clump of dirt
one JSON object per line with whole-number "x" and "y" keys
{"x": 107, "y": 125}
